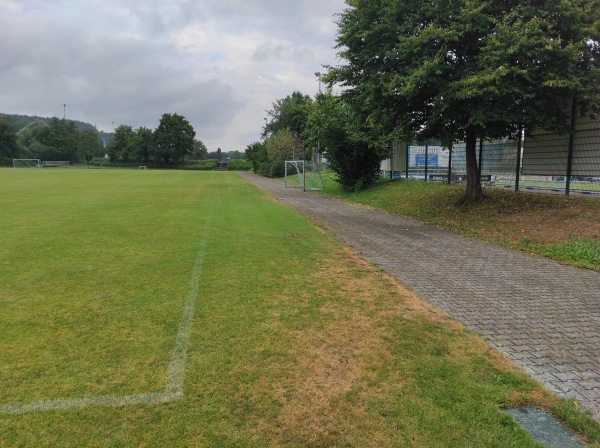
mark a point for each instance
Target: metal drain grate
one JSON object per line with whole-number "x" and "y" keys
{"x": 544, "y": 428}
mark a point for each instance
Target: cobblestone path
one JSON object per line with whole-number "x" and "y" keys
{"x": 542, "y": 315}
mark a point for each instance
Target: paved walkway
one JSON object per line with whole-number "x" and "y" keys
{"x": 543, "y": 316}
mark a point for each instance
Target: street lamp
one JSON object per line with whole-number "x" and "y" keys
{"x": 319, "y": 75}
{"x": 64, "y": 111}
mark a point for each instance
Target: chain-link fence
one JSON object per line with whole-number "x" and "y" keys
{"x": 545, "y": 162}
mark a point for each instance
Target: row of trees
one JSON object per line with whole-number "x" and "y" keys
{"x": 453, "y": 71}
{"x": 173, "y": 141}
{"x": 56, "y": 140}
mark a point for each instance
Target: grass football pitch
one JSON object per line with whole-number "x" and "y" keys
{"x": 181, "y": 308}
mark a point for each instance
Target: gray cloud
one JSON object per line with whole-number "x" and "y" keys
{"x": 219, "y": 63}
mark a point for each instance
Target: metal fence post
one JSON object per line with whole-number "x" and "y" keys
{"x": 407, "y": 156}
{"x": 519, "y": 148}
{"x": 450, "y": 164}
{"x": 426, "y": 159}
{"x": 480, "y": 157}
{"x": 571, "y": 144}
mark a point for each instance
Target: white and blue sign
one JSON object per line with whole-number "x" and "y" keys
{"x": 431, "y": 159}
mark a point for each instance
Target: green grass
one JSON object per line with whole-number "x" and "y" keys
{"x": 564, "y": 228}
{"x": 295, "y": 341}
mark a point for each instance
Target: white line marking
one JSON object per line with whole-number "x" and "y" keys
{"x": 173, "y": 389}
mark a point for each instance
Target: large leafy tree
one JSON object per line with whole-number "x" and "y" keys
{"x": 462, "y": 70}
{"x": 57, "y": 141}
{"x": 8, "y": 140}
{"x": 88, "y": 145}
{"x": 289, "y": 113}
{"x": 347, "y": 138}
{"x": 142, "y": 143}
{"x": 284, "y": 145}
{"x": 174, "y": 138}
{"x": 122, "y": 145}
{"x": 27, "y": 135}
{"x": 256, "y": 153}
{"x": 200, "y": 151}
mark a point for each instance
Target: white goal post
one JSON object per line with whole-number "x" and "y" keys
{"x": 303, "y": 174}
{"x": 27, "y": 163}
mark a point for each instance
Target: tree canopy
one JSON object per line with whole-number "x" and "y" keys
{"x": 284, "y": 145}
{"x": 464, "y": 70}
{"x": 289, "y": 113}
{"x": 174, "y": 138}
{"x": 347, "y": 140}
{"x": 8, "y": 140}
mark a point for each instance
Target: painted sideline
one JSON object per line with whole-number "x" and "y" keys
{"x": 173, "y": 389}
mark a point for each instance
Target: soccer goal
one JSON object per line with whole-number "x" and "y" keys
{"x": 303, "y": 174}
{"x": 27, "y": 163}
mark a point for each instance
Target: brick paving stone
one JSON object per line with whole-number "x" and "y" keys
{"x": 542, "y": 315}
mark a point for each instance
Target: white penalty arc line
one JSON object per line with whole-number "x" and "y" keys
{"x": 173, "y": 389}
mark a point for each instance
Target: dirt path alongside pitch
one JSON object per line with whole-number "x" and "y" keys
{"x": 543, "y": 316}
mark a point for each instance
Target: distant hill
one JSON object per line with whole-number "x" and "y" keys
{"x": 18, "y": 122}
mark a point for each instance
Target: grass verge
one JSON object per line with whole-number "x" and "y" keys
{"x": 564, "y": 228}
{"x": 296, "y": 341}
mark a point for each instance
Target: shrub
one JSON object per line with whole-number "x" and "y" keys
{"x": 239, "y": 165}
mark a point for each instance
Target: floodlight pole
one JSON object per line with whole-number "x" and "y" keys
{"x": 319, "y": 77}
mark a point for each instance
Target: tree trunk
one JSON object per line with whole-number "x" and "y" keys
{"x": 474, "y": 192}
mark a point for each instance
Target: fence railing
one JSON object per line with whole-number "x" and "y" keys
{"x": 540, "y": 163}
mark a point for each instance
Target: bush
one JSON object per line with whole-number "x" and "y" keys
{"x": 272, "y": 169}
{"x": 239, "y": 165}
{"x": 277, "y": 169}
{"x": 203, "y": 165}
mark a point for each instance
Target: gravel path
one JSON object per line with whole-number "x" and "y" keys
{"x": 543, "y": 316}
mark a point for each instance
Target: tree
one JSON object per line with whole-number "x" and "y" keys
{"x": 174, "y": 138}
{"x": 142, "y": 144}
{"x": 57, "y": 141}
{"x": 88, "y": 145}
{"x": 284, "y": 145}
{"x": 256, "y": 153}
{"x": 122, "y": 145}
{"x": 9, "y": 147}
{"x": 350, "y": 150}
{"x": 200, "y": 151}
{"x": 236, "y": 155}
{"x": 289, "y": 113}
{"x": 465, "y": 70}
{"x": 28, "y": 134}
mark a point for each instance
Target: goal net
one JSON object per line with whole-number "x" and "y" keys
{"x": 27, "y": 163}
{"x": 303, "y": 174}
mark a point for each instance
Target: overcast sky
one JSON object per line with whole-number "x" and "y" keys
{"x": 219, "y": 63}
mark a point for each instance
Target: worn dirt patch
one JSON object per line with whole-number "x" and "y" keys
{"x": 334, "y": 361}
{"x": 549, "y": 226}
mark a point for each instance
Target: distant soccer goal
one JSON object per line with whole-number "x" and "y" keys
{"x": 27, "y": 163}
{"x": 303, "y": 174}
